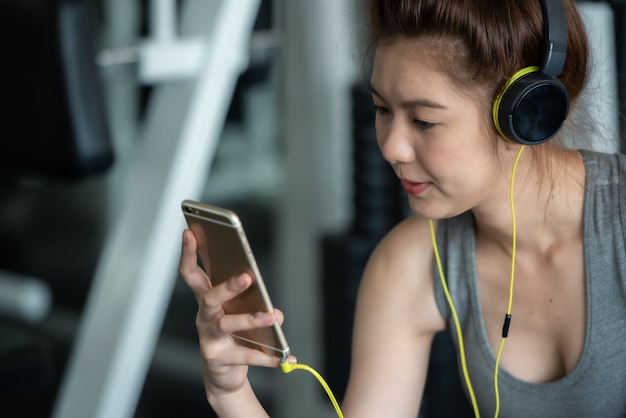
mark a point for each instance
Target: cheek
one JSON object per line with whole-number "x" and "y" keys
{"x": 472, "y": 144}
{"x": 464, "y": 162}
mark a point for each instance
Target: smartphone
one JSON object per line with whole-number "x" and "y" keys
{"x": 224, "y": 252}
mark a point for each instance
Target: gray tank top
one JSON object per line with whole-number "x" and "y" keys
{"x": 596, "y": 387}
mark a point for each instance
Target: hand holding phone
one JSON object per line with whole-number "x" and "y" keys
{"x": 225, "y": 253}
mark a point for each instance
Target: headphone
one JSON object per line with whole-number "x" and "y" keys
{"x": 534, "y": 103}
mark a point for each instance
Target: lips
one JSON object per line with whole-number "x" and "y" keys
{"x": 414, "y": 188}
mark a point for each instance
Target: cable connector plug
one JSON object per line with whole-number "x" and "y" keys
{"x": 287, "y": 367}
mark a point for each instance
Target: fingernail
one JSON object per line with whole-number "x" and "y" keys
{"x": 264, "y": 316}
{"x": 241, "y": 280}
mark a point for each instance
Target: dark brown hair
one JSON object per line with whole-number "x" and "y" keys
{"x": 481, "y": 43}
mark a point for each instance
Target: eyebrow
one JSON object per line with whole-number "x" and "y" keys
{"x": 412, "y": 103}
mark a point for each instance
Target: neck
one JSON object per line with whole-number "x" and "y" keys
{"x": 548, "y": 201}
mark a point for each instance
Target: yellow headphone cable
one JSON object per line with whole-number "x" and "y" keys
{"x": 507, "y": 318}
{"x": 289, "y": 367}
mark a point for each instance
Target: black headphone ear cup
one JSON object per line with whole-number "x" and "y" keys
{"x": 531, "y": 109}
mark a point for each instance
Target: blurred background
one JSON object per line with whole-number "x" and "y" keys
{"x": 114, "y": 111}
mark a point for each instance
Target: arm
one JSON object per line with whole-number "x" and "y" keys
{"x": 224, "y": 363}
{"x": 396, "y": 319}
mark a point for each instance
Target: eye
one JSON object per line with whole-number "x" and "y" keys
{"x": 381, "y": 109}
{"x": 423, "y": 124}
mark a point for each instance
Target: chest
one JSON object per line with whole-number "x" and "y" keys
{"x": 548, "y": 311}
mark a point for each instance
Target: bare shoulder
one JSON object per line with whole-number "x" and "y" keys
{"x": 400, "y": 271}
{"x": 396, "y": 319}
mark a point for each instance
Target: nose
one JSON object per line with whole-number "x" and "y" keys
{"x": 394, "y": 142}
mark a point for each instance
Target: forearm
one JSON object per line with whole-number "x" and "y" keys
{"x": 242, "y": 403}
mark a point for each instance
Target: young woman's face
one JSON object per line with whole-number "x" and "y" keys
{"x": 435, "y": 136}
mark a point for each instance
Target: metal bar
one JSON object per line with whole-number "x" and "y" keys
{"x": 137, "y": 270}
{"x": 162, "y": 20}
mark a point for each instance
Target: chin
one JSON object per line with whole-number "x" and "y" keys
{"x": 434, "y": 211}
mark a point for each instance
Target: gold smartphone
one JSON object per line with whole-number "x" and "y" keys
{"x": 225, "y": 252}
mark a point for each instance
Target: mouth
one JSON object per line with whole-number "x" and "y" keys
{"x": 414, "y": 188}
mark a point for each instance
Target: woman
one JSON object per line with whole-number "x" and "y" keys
{"x": 438, "y": 66}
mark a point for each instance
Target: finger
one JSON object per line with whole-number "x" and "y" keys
{"x": 280, "y": 316}
{"x": 216, "y": 325}
{"x": 188, "y": 267}
{"x": 291, "y": 359}
{"x": 241, "y": 356}
{"x": 224, "y": 292}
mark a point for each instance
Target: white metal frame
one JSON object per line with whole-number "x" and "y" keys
{"x": 136, "y": 273}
